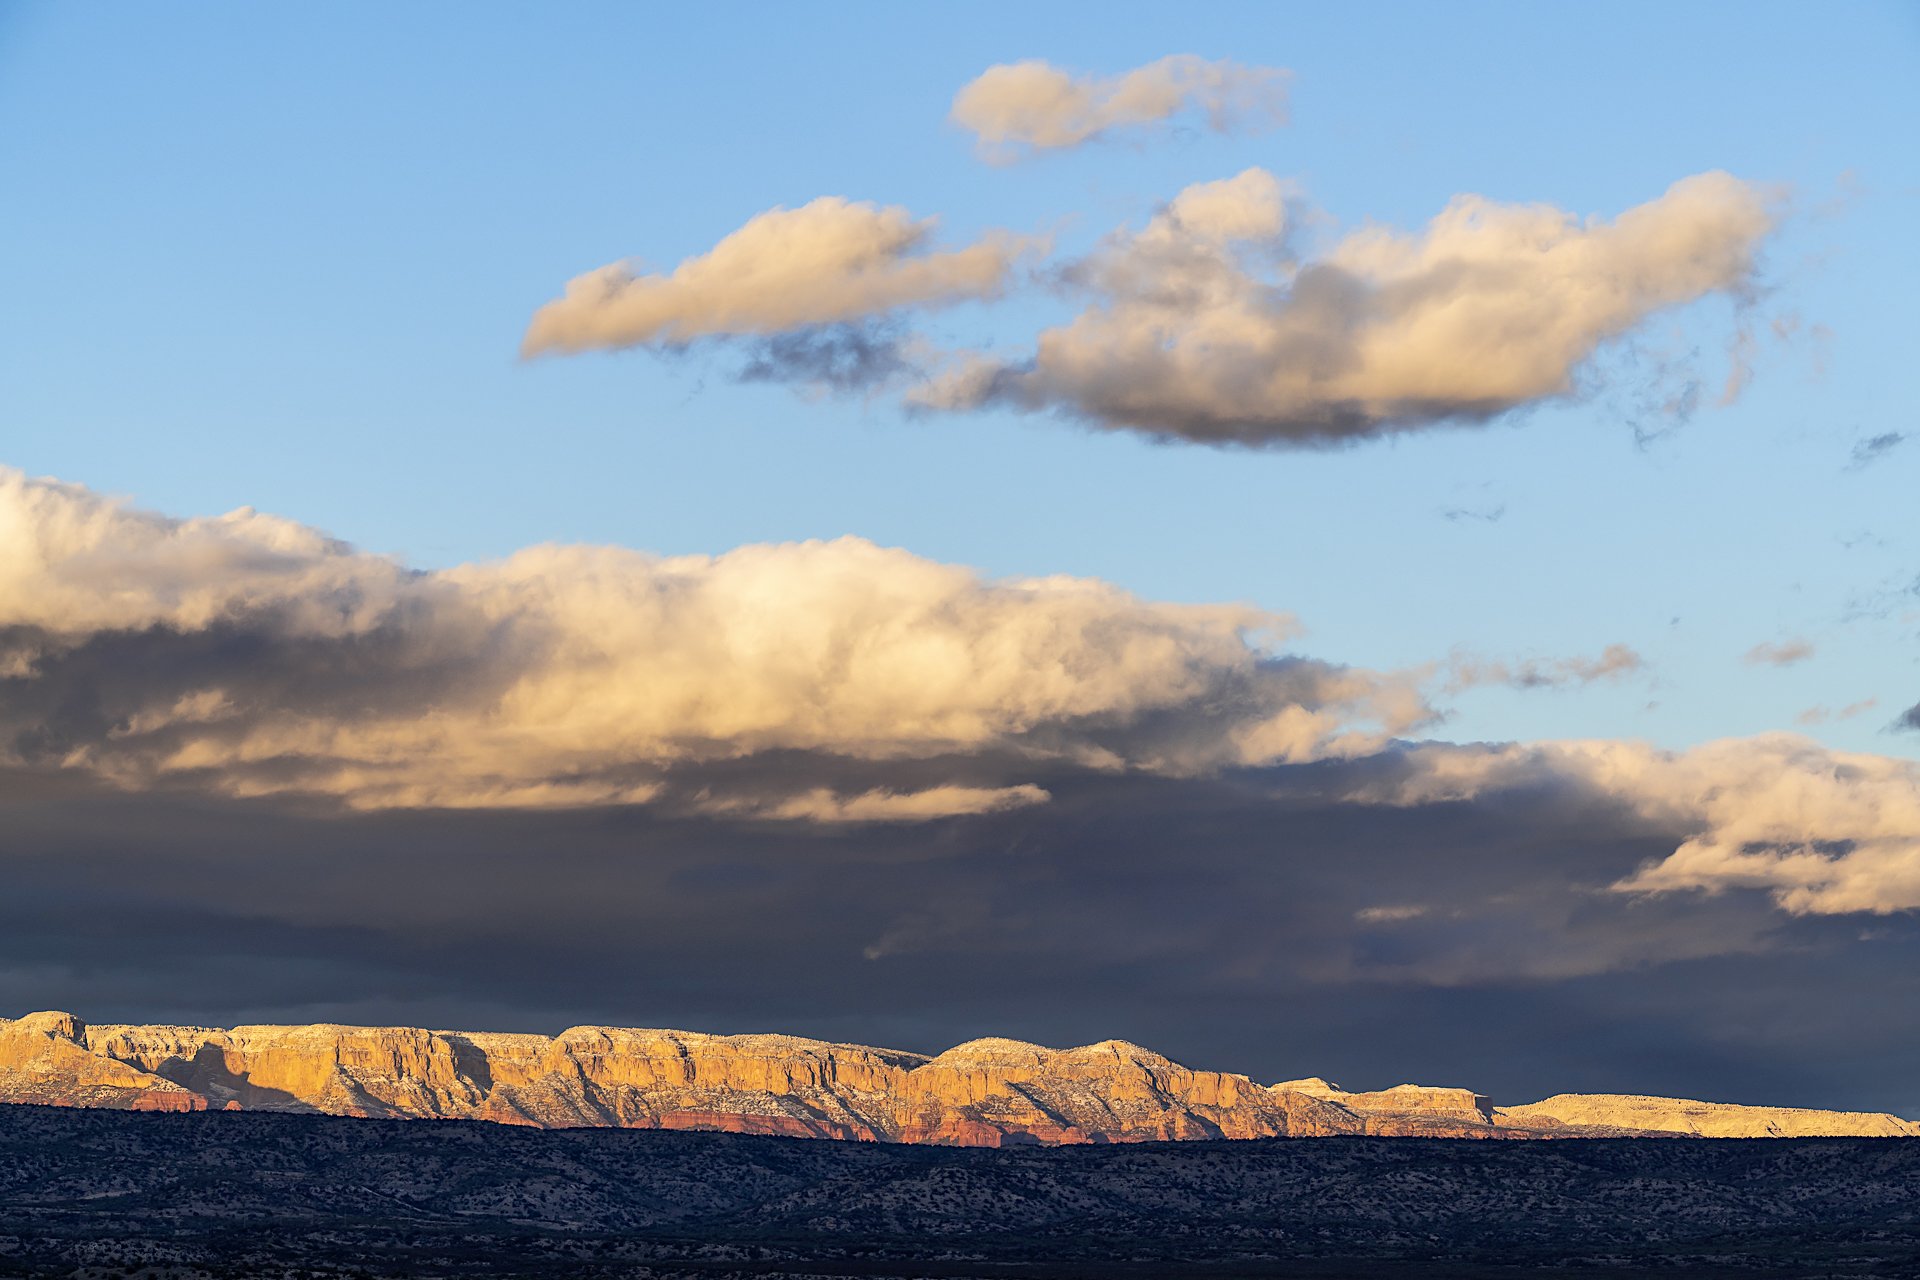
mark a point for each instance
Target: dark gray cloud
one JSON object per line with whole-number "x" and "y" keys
{"x": 1909, "y": 719}
{"x": 1242, "y": 923}
{"x": 841, "y": 358}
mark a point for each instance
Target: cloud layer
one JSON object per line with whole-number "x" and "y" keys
{"x": 828, "y": 261}
{"x": 1204, "y": 327}
{"x": 1825, "y": 832}
{"x": 1017, "y": 108}
{"x": 816, "y": 682}
{"x": 254, "y": 656}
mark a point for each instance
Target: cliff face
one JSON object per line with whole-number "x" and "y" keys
{"x": 44, "y": 1059}
{"x": 1708, "y": 1119}
{"x": 1411, "y": 1110}
{"x": 983, "y": 1093}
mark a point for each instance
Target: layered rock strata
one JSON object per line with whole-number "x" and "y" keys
{"x": 1706, "y": 1119}
{"x": 983, "y": 1093}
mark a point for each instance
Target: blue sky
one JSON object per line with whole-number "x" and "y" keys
{"x": 283, "y": 257}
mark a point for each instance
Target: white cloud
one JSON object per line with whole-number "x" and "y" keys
{"x": 1205, "y": 327}
{"x": 1016, "y": 108}
{"x": 829, "y": 261}
{"x": 255, "y": 656}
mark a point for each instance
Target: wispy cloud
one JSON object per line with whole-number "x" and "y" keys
{"x": 1822, "y": 714}
{"x": 1871, "y": 450}
{"x": 1616, "y": 661}
{"x": 1483, "y": 515}
{"x": 823, "y": 805}
{"x": 1783, "y": 654}
{"x": 1389, "y": 914}
{"x": 838, "y": 358}
{"x": 1017, "y": 108}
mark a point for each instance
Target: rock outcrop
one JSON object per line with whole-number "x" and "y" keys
{"x": 1705, "y": 1119}
{"x": 1407, "y": 1110}
{"x": 982, "y": 1093}
{"x": 44, "y": 1058}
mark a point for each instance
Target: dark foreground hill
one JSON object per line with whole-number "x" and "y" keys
{"x": 230, "y": 1194}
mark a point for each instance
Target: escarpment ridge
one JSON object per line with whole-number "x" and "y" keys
{"x": 983, "y": 1093}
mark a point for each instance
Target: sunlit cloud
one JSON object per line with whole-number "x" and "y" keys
{"x": 1825, "y": 832}
{"x": 824, "y": 805}
{"x": 1204, "y": 325}
{"x": 820, "y": 682}
{"x": 1017, "y": 108}
{"x": 827, "y": 262}
{"x": 254, "y": 656}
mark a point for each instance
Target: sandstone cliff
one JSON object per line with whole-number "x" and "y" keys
{"x": 44, "y": 1059}
{"x": 1409, "y": 1110}
{"x": 1707, "y": 1119}
{"x": 984, "y": 1093}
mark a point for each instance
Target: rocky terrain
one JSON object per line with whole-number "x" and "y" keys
{"x": 214, "y": 1195}
{"x": 983, "y": 1093}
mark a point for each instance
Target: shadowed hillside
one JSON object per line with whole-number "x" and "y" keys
{"x": 102, "y": 1193}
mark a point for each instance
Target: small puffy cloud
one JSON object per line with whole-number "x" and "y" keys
{"x": 828, "y": 262}
{"x": 1909, "y": 719}
{"x": 1827, "y": 832}
{"x": 1017, "y": 108}
{"x": 1613, "y": 663}
{"x": 1784, "y": 654}
{"x": 1204, "y": 327}
{"x": 252, "y": 656}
